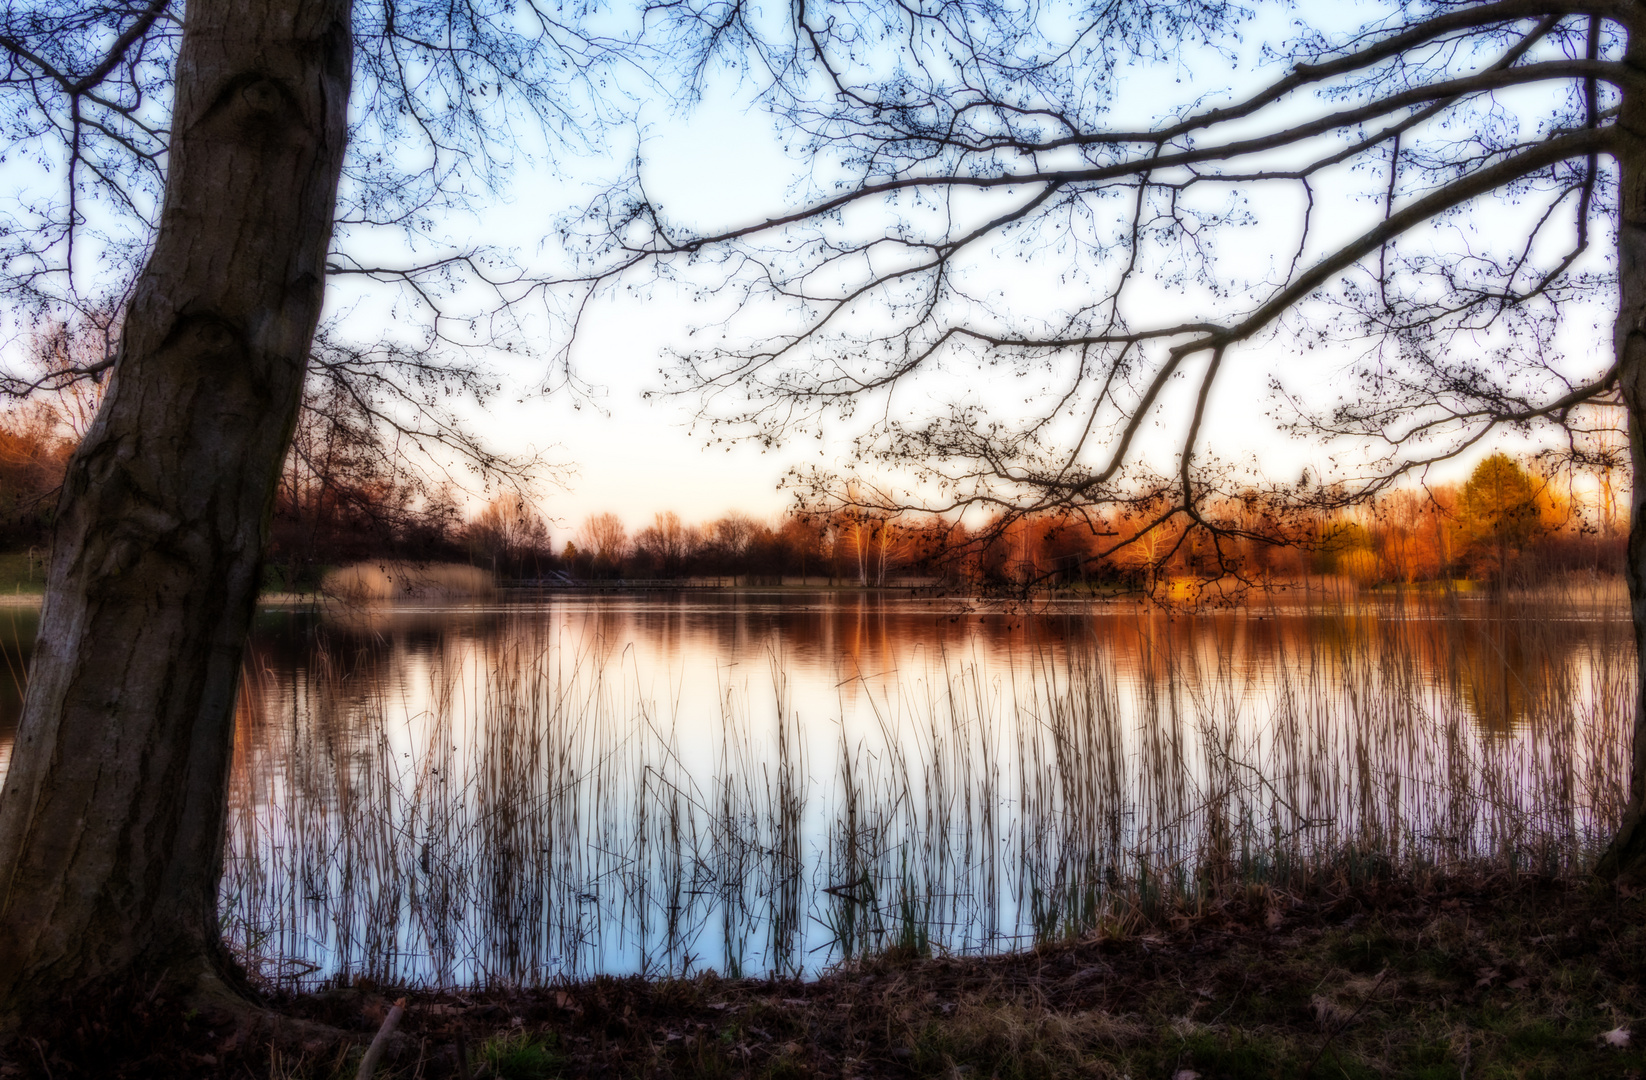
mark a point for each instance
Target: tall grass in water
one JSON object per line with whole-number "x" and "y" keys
{"x": 521, "y": 806}
{"x": 391, "y": 579}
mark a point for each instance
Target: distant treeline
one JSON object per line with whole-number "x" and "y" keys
{"x": 343, "y": 499}
{"x": 1505, "y": 523}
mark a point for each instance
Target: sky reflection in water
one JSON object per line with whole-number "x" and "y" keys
{"x": 511, "y": 792}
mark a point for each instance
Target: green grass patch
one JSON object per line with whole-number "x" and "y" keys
{"x": 523, "y": 1057}
{"x": 1368, "y": 951}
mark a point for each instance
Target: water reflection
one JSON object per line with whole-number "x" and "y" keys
{"x": 770, "y": 782}
{"x": 18, "y": 625}
{"x": 1497, "y": 656}
{"x": 756, "y": 782}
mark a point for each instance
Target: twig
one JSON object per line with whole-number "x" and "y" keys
{"x": 1308, "y": 1069}
{"x": 380, "y": 1042}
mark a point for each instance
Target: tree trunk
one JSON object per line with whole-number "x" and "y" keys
{"x": 112, "y": 816}
{"x": 1627, "y": 855}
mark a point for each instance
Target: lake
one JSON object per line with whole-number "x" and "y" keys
{"x": 512, "y": 792}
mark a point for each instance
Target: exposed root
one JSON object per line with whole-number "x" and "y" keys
{"x": 1625, "y": 858}
{"x": 170, "y": 1027}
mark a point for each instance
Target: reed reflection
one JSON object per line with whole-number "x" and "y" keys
{"x": 17, "y": 629}
{"x": 774, "y": 783}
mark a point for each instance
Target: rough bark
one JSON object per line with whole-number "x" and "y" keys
{"x": 112, "y": 816}
{"x": 1626, "y": 856}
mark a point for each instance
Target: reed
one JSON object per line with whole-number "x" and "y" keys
{"x": 523, "y": 808}
{"x": 391, "y": 579}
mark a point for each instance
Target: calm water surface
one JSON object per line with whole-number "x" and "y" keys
{"x": 747, "y": 781}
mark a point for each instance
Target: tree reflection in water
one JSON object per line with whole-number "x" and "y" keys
{"x": 763, "y": 782}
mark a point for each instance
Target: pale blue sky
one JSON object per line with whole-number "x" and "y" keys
{"x": 720, "y": 165}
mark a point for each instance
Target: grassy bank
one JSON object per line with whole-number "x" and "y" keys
{"x": 1467, "y": 979}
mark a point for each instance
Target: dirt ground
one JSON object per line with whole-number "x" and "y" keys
{"x": 1487, "y": 978}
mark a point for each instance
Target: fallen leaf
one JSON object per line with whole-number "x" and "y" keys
{"x": 1185, "y": 1074}
{"x": 1618, "y": 1037}
{"x": 1518, "y": 984}
{"x": 1274, "y": 918}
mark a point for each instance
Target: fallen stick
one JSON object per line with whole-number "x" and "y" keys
{"x": 1308, "y": 1070}
{"x": 380, "y": 1042}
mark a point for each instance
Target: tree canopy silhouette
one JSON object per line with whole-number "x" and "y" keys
{"x": 1039, "y": 263}
{"x": 1449, "y": 173}
{"x": 227, "y": 164}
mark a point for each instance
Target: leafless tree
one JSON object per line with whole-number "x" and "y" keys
{"x": 604, "y": 539}
{"x": 508, "y": 533}
{"x": 33, "y": 453}
{"x": 63, "y": 351}
{"x": 1038, "y": 286}
{"x": 667, "y": 543}
{"x": 731, "y": 538}
{"x": 220, "y": 167}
